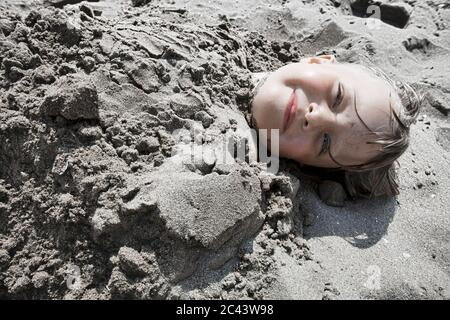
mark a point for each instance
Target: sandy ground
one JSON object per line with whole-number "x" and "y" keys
{"x": 93, "y": 205}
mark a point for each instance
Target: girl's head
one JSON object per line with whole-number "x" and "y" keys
{"x": 336, "y": 115}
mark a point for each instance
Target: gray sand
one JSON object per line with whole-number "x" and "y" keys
{"x": 99, "y": 201}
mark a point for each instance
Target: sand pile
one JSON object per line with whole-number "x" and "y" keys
{"x": 95, "y": 202}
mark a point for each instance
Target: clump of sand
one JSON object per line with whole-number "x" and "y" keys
{"x": 92, "y": 189}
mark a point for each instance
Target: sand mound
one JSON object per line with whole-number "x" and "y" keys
{"x": 92, "y": 185}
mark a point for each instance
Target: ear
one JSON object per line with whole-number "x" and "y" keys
{"x": 329, "y": 58}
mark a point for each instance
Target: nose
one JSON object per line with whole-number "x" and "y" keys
{"x": 317, "y": 118}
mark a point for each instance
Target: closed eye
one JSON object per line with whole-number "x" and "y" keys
{"x": 326, "y": 141}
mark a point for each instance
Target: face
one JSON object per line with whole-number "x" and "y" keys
{"x": 315, "y": 104}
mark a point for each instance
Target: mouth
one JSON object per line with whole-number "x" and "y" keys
{"x": 289, "y": 113}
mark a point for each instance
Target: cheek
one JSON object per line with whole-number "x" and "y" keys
{"x": 263, "y": 102}
{"x": 300, "y": 149}
{"x": 268, "y": 105}
{"x": 269, "y": 94}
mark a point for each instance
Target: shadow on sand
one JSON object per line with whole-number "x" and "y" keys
{"x": 362, "y": 223}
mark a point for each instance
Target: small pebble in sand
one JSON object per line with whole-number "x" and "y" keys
{"x": 148, "y": 145}
{"x": 66, "y": 68}
{"x": 43, "y": 75}
{"x": 158, "y": 160}
{"x": 332, "y": 193}
{"x": 88, "y": 63}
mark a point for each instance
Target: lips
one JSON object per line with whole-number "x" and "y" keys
{"x": 289, "y": 113}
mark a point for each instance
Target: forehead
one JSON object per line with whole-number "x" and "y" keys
{"x": 372, "y": 96}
